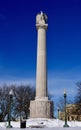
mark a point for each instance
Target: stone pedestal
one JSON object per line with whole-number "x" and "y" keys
{"x": 41, "y": 107}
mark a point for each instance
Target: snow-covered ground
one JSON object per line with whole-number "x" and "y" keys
{"x": 46, "y": 124}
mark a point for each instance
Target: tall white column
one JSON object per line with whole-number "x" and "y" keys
{"x": 41, "y": 107}
{"x": 41, "y": 73}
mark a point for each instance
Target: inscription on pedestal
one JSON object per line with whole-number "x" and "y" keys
{"x": 41, "y": 109}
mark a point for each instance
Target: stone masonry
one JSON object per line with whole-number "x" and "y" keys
{"x": 41, "y": 107}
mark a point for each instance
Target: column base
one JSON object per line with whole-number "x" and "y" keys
{"x": 41, "y": 109}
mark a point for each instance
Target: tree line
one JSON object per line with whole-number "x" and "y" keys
{"x": 23, "y": 94}
{"x": 20, "y": 101}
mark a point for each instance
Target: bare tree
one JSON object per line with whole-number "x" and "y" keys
{"x": 4, "y": 102}
{"x": 78, "y": 97}
{"x": 23, "y": 96}
{"x": 21, "y": 101}
{"x": 61, "y": 104}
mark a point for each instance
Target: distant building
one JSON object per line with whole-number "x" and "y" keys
{"x": 72, "y": 111}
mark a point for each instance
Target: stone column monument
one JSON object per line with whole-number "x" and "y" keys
{"x": 41, "y": 107}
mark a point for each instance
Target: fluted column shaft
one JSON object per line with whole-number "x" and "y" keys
{"x": 41, "y": 73}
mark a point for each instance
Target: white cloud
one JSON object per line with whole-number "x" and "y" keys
{"x": 66, "y": 79}
{"x": 57, "y": 82}
{"x": 17, "y": 82}
{"x": 56, "y": 86}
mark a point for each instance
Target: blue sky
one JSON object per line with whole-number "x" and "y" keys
{"x": 18, "y": 43}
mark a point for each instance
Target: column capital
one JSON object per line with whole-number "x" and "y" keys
{"x": 38, "y": 26}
